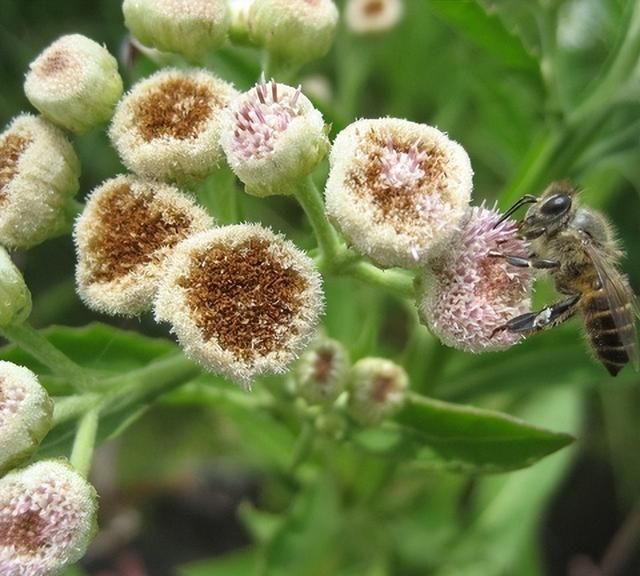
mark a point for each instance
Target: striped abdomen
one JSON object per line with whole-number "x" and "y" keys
{"x": 603, "y": 332}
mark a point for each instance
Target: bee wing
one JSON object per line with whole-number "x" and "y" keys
{"x": 622, "y": 301}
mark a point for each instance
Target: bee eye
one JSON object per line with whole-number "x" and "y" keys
{"x": 556, "y": 205}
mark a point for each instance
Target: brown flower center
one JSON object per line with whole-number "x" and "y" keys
{"x": 11, "y": 150}
{"x": 398, "y": 177}
{"x": 177, "y": 108}
{"x": 24, "y": 532}
{"x": 322, "y": 367}
{"x": 130, "y": 232}
{"x": 373, "y": 7}
{"x": 243, "y": 297}
{"x": 382, "y": 387}
{"x": 54, "y": 63}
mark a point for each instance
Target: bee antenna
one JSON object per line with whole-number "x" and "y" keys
{"x": 527, "y": 199}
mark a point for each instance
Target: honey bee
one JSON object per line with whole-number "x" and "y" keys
{"x": 577, "y": 246}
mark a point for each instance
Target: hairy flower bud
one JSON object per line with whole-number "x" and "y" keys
{"x": 26, "y": 413}
{"x": 397, "y": 189}
{"x": 47, "y": 518}
{"x": 187, "y": 27}
{"x": 295, "y": 31}
{"x": 39, "y": 173}
{"x": 373, "y": 16}
{"x": 128, "y": 228}
{"x": 15, "y": 298}
{"x": 273, "y": 136}
{"x": 168, "y": 126}
{"x": 466, "y": 294}
{"x": 242, "y": 300}
{"x": 74, "y": 83}
{"x": 378, "y": 388}
{"x": 322, "y": 372}
{"x": 239, "y": 30}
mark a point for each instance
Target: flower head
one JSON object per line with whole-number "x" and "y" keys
{"x": 47, "y": 518}
{"x": 39, "y": 173}
{"x": 296, "y": 31}
{"x": 397, "y": 189}
{"x": 168, "y": 126}
{"x": 377, "y": 388}
{"x": 372, "y": 16}
{"x": 74, "y": 83}
{"x": 127, "y": 230}
{"x": 322, "y": 371}
{"x": 242, "y": 300}
{"x": 273, "y": 137}
{"x": 25, "y": 413}
{"x": 188, "y": 27}
{"x": 466, "y": 294}
{"x": 15, "y": 298}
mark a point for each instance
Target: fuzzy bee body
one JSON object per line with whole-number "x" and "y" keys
{"x": 577, "y": 246}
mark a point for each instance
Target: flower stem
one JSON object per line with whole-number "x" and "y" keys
{"x": 311, "y": 201}
{"x": 84, "y": 443}
{"x": 398, "y": 282}
{"x": 30, "y": 340}
{"x": 302, "y": 447}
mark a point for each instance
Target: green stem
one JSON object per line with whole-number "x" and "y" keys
{"x": 398, "y": 282}
{"x": 30, "y": 340}
{"x": 71, "y": 407}
{"x": 302, "y": 447}
{"x": 311, "y": 201}
{"x": 85, "y": 441}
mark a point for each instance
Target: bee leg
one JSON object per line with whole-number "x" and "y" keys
{"x": 545, "y": 318}
{"x": 526, "y": 262}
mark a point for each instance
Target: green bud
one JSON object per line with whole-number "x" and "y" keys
{"x": 295, "y": 31}
{"x": 322, "y": 372}
{"x": 15, "y": 298}
{"x": 377, "y": 390}
{"x": 74, "y": 83}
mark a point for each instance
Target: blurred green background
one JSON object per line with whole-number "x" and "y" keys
{"x": 197, "y": 477}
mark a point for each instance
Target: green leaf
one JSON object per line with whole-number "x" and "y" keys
{"x": 241, "y": 563}
{"x": 463, "y": 437}
{"x": 486, "y": 30}
{"x": 307, "y": 543}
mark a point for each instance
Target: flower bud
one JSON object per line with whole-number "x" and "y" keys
{"x": 168, "y": 126}
{"x": 47, "y": 518}
{"x": 296, "y": 31}
{"x": 397, "y": 189}
{"x": 377, "y": 389}
{"x": 25, "y": 414}
{"x": 187, "y": 27}
{"x": 126, "y": 232}
{"x": 465, "y": 294}
{"x": 15, "y": 298}
{"x": 273, "y": 137}
{"x": 242, "y": 300}
{"x": 322, "y": 372}
{"x": 373, "y": 16}
{"x": 74, "y": 83}
{"x": 239, "y": 30}
{"x": 39, "y": 173}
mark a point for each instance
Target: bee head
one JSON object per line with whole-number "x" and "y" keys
{"x": 551, "y": 212}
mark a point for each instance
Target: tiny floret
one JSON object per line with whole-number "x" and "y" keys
{"x": 47, "y": 519}
{"x": 397, "y": 189}
{"x": 373, "y": 16}
{"x": 168, "y": 126}
{"x": 295, "y": 31}
{"x": 468, "y": 293}
{"x": 273, "y": 137}
{"x": 377, "y": 389}
{"x": 242, "y": 300}
{"x": 25, "y": 414}
{"x": 126, "y": 232}
{"x": 15, "y": 298}
{"x": 188, "y": 27}
{"x": 39, "y": 173}
{"x": 74, "y": 83}
{"x": 322, "y": 371}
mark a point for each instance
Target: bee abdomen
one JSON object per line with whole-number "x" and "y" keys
{"x": 603, "y": 332}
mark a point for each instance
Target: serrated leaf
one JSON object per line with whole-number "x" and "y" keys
{"x": 462, "y": 438}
